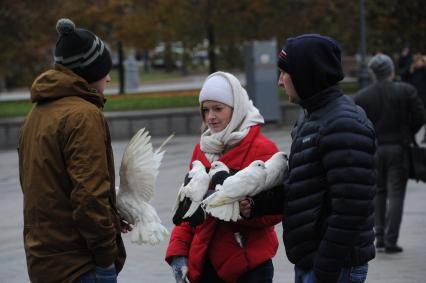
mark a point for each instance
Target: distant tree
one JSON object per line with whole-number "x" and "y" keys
{"x": 392, "y": 23}
{"x": 27, "y": 38}
{"x": 28, "y": 27}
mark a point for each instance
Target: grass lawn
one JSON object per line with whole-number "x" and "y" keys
{"x": 141, "y": 101}
{"x": 131, "y": 102}
{"x": 135, "y": 102}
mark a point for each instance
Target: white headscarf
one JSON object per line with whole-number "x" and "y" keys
{"x": 244, "y": 115}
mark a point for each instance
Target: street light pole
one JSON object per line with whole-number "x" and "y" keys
{"x": 363, "y": 77}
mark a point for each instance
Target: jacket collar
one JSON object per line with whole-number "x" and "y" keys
{"x": 321, "y": 98}
{"x": 235, "y": 157}
{"x": 61, "y": 82}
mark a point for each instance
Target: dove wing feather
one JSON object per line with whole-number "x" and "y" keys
{"x": 138, "y": 173}
{"x": 238, "y": 186}
{"x": 139, "y": 169}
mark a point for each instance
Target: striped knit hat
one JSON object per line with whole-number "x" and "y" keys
{"x": 81, "y": 51}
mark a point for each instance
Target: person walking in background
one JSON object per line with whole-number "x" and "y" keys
{"x": 417, "y": 77}
{"x": 71, "y": 225}
{"x": 215, "y": 250}
{"x": 404, "y": 62}
{"x": 397, "y": 113}
{"x": 329, "y": 189}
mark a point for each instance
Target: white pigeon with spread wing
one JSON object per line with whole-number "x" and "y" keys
{"x": 224, "y": 203}
{"x": 138, "y": 174}
{"x": 190, "y": 195}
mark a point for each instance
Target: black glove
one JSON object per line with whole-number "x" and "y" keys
{"x": 183, "y": 206}
{"x": 219, "y": 178}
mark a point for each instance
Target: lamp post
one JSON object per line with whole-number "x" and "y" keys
{"x": 120, "y": 68}
{"x": 363, "y": 77}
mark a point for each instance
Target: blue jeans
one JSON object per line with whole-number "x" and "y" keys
{"x": 100, "y": 275}
{"x": 354, "y": 274}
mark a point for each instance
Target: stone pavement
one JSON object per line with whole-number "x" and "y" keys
{"x": 146, "y": 263}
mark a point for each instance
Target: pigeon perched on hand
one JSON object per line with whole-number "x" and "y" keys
{"x": 138, "y": 173}
{"x": 191, "y": 193}
{"x": 224, "y": 203}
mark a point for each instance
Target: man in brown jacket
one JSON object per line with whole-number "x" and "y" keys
{"x": 71, "y": 224}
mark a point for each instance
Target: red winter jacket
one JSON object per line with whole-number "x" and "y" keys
{"x": 215, "y": 238}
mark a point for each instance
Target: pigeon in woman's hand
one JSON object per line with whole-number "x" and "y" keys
{"x": 191, "y": 194}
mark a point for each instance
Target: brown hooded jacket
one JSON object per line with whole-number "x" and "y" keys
{"x": 66, "y": 170}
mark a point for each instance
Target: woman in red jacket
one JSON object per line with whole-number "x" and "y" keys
{"x": 215, "y": 250}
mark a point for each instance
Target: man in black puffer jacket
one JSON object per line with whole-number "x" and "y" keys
{"x": 397, "y": 113}
{"x": 329, "y": 189}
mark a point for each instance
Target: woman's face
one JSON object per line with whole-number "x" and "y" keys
{"x": 216, "y": 115}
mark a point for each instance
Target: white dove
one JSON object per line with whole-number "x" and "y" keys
{"x": 224, "y": 203}
{"x": 192, "y": 192}
{"x": 138, "y": 174}
{"x": 216, "y": 167}
{"x": 275, "y": 166}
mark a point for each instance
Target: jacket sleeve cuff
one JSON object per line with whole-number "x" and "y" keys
{"x": 105, "y": 258}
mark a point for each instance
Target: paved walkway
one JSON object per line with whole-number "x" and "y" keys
{"x": 146, "y": 263}
{"x": 184, "y": 83}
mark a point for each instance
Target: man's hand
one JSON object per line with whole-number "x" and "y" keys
{"x": 125, "y": 226}
{"x": 245, "y": 207}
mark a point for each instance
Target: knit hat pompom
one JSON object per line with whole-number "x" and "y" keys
{"x": 65, "y": 26}
{"x": 81, "y": 51}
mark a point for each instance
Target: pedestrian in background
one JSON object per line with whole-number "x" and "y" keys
{"x": 328, "y": 198}
{"x": 71, "y": 225}
{"x": 397, "y": 113}
{"x": 417, "y": 77}
{"x": 404, "y": 62}
{"x": 218, "y": 251}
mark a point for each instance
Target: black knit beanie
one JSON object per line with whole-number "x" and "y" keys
{"x": 313, "y": 62}
{"x": 81, "y": 51}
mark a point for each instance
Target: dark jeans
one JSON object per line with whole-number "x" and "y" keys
{"x": 100, "y": 275}
{"x": 392, "y": 179}
{"x": 262, "y": 273}
{"x": 354, "y": 274}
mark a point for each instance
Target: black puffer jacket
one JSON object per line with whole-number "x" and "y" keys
{"x": 328, "y": 198}
{"x": 329, "y": 213}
